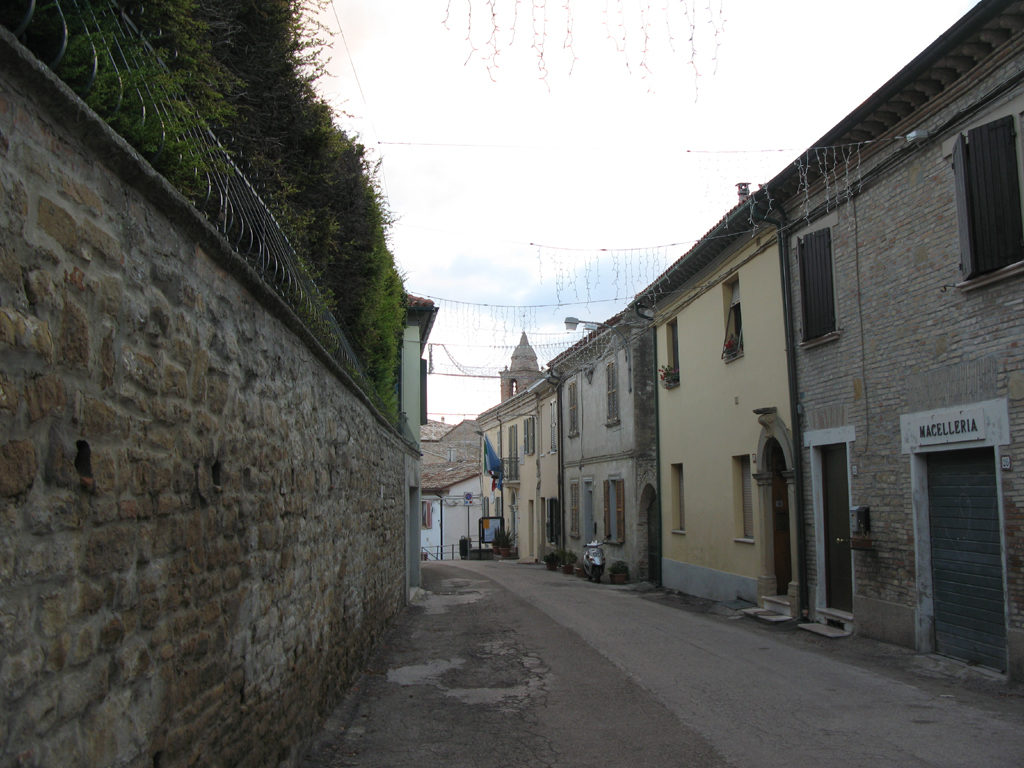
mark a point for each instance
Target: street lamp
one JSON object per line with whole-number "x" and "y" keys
{"x": 571, "y": 323}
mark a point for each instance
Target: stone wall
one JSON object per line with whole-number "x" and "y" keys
{"x": 202, "y": 527}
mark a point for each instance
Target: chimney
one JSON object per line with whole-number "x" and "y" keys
{"x": 743, "y": 190}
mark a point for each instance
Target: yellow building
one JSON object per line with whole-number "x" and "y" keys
{"x": 725, "y": 448}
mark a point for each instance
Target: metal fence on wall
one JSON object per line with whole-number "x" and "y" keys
{"x": 111, "y": 48}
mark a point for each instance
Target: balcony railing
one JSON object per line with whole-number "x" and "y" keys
{"x": 511, "y": 468}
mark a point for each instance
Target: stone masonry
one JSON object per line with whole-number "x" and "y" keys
{"x": 910, "y": 339}
{"x": 201, "y": 517}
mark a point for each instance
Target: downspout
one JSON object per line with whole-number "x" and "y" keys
{"x": 781, "y": 224}
{"x": 501, "y": 458}
{"x": 561, "y": 464}
{"x": 657, "y": 463}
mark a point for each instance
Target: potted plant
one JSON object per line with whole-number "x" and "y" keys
{"x": 669, "y": 375}
{"x": 732, "y": 348}
{"x": 503, "y": 541}
{"x": 618, "y": 573}
{"x": 551, "y": 560}
{"x": 568, "y": 560}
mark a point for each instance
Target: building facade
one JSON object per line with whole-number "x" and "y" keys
{"x": 725, "y": 446}
{"x": 609, "y": 482}
{"x": 906, "y": 261}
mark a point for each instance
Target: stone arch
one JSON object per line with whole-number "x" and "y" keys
{"x": 777, "y": 532}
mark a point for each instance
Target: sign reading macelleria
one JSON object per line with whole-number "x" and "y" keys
{"x": 985, "y": 422}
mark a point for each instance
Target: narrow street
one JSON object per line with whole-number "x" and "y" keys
{"x": 511, "y": 665}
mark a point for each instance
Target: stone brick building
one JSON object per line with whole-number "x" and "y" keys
{"x": 902, "y": 237}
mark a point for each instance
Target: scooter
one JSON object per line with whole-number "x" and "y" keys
{"x": 593, "y": 560}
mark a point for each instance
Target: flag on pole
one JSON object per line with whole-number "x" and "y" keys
{"x": 492, "y": 464}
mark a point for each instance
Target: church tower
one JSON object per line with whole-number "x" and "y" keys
{"x": 523, "y": 371}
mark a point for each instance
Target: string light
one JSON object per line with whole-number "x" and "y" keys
{"x": 630, "y": 27}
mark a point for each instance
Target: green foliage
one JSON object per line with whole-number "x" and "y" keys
{"x": 504, "y": 538}
{"x": 246, "y": 70}
{"x": 619, "y": 566}
{"x": 324, "y": 191}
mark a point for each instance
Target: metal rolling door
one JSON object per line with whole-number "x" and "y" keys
{"x": 967, "y": 559}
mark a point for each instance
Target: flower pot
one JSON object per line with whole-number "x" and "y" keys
{"x": 567, "y": 568}
{"x": 552, "y": 566}
{"x": 617, "y": 578}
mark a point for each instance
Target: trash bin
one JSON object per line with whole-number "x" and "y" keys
{"x": 464, "y": 548}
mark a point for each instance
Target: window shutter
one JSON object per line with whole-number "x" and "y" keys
{"x": 607, "y": 508}
{"x": 613, "y": 392}
{"x": 620, "y": 510}
{"x": 963, "y": 207}
{"x": 816, "y": 283}
{"x": 994, "y": 195}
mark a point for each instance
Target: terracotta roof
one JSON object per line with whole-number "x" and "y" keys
{"x": 440, "y": 477}
{"x": 435, "y": 430}
{"x": 417, "y": 302}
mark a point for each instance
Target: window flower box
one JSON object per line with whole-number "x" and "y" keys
{"x": 669, "y": 376}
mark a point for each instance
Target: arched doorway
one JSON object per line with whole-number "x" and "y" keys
{"x": 651, "y": 510}
{"x": 777, "y": 495}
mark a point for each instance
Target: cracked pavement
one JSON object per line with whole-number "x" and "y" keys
{"x": 500, "y": 664}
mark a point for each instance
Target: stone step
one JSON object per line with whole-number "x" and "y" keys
{"x": 825, "y": 630}
{"x": 766, "y": 614}
{"x": 777, "y": 603}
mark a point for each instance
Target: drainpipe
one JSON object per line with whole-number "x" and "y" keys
{"x": 555, "y": 379}
{"x": 781, "y": 223}
{"x": 657, "y": 466}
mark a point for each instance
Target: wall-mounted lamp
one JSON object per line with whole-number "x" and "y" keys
{"x": 588, "y": 325}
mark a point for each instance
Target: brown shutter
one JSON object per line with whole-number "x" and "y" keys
{"x": 620, "y": 509}
{"x": 607, "y": 511}
{"x": 963, "y": 206}
{"x": 819, "y": 312}
{"x": 995, "y": 194}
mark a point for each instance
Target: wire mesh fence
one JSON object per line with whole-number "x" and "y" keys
{"x": 98, "y": 50}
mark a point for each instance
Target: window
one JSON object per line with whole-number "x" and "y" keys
{"x": 815, "y": 254}
{"x": 677, "y": 497}
{"x": 988, "y": 197}
{"x": 732, "y": 347}
{"x": 574, "y": 509}
{"x": 745, "y": 500}
{"x": 425, "y": 514}
{"x": 672, "y": 344}
{"x": 451, "y": 453}
{"x": 529, "y": 435}
{"x": 615, "y": 510}
{"x": 613, "y": 392}
{"x": 554, "y": 426}
{"x": 574, "y": 424}
{"x": 512, "y": 462}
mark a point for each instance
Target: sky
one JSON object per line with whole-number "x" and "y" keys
{"x": 548, "y": 158}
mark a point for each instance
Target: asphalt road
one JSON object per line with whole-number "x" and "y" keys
{"x": 499, "y": 664}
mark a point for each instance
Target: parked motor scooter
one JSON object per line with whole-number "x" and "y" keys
{"x": 593, "y": 560}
